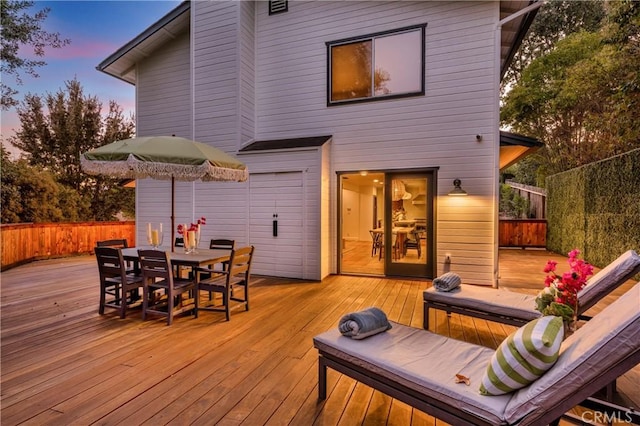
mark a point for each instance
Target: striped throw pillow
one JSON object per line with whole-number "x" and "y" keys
{"x": 524, "y": 356}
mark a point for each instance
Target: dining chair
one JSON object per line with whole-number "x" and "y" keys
{"x": 157, "y": 275}
{"x": 118, "y": 288}
{"x": 413, "y": 242}
{"x": 227, "y": 283}
{"x": 222, "y": 244}
{"x": 376, "y": 241}
{"x": 117, "y": 243}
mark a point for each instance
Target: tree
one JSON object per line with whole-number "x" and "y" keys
{"x": 29, "y": 194}
{"x": 581, "y": 99}
{"x": 57, "y": 129}
{"x": 555, "y": 20}
{"x": 22, "y": 29}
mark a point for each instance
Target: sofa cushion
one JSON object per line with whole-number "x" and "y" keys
{"x": 524, "y": 356}
{"x": 423, "y": 361}
{"x": 487, "y": 299}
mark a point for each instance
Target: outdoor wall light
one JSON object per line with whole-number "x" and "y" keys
{"x": 457, "y": 188}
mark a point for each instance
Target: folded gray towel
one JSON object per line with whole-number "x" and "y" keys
{"x": 447, "y": 282}
{"x": 368, "y": 322}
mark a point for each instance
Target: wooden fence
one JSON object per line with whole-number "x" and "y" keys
{"x": 522, "y": 233}
{"x": 25, "y": 242}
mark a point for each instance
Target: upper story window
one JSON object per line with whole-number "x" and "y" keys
{"x": 377, "y": 66}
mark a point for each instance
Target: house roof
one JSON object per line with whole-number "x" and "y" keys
{"x": 306, "y": 142}
{"x": 121, "y": 64}
{"x": 514, "y": 147}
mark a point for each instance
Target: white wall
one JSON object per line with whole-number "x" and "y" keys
{"x": 435, "y": 130}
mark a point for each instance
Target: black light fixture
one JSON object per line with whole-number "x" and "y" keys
{"x": 457, "y": 188}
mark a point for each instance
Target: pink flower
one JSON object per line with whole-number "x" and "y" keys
{"x": 180, "y": 229}
{"x": 202, "y": 221}
{"x": 551, "y": 266}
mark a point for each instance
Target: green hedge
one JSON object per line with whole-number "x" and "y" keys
{"x": 596, "y": 208}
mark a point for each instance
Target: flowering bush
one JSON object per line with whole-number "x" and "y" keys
{"x": 560, "y": 295}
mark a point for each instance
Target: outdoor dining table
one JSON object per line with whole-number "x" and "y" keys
{"x": 199, "y": 258}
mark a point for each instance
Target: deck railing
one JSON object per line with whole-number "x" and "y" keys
{"x": 522, "y": 233}
{"x": 25, "y": 242}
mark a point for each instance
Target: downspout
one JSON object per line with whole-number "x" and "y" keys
{"x": 496, "y": 154}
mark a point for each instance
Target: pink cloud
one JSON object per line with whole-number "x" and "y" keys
{"x": 85, "y": 49}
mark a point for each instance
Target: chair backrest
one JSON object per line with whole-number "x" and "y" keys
{"x": 156, "y": 264}
{"x": 240, "y": 263}
{"x": 603, "y": 349}
{"x": 179, "y": 242}
{"x": 110, "y": 263}
{"x": 117, "y": 243}
{"x": 608, "y": 279}
{"x": 222, "y": 243}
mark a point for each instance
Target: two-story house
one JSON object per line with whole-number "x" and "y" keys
{"x": 354, "y": 118}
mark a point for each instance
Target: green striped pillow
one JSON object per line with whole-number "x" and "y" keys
{"x": 524, "y": 356}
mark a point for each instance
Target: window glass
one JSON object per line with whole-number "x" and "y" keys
{"x": 351, "y": 76}
{"x": 377, "y": 66}
{"x": 398, "y": 63}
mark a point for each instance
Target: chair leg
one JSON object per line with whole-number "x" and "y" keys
{"x": 196, "y": 296}
{"x": 246, "y": 296}
{"x": 226, "y": 298}
{"x": 170, "y": 305}
{"x": 145, "y": 302}
{"x": 102, "y": 299}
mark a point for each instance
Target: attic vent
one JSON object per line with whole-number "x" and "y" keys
{"x": 278, "y": 6}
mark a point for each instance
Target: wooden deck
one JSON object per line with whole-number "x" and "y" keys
{"x": 63, "y": 364}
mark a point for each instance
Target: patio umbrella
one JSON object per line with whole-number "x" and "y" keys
{"x": 164, "y": 157}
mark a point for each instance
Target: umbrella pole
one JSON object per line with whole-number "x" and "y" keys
{"x": 173, "y": 219}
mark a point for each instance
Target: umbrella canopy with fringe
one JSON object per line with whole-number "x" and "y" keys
{"x": 164, "y": 157}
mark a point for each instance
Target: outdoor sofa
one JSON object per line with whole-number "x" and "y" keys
{"x": 418, "y": 367}
{"x": 516, "y": 308}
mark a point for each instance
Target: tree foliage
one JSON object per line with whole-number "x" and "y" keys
{"x": 582, "y": 99}
{"x": 55, "y": 130}
{"x": 555, "y": 20}
{"x": 19, "y": 29}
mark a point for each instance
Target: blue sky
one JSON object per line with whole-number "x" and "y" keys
{"x": 96, "y": 30}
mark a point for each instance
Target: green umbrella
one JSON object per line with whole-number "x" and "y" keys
{"x": 164, "y": 157}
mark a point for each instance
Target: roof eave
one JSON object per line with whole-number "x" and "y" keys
{"x": 106, "y": 66}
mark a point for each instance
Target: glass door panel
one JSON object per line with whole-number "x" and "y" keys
{"x": 408, "y": 228}
{"x": 361, "y": 212}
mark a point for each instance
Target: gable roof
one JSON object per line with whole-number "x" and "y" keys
{"x": 121, "y": 64}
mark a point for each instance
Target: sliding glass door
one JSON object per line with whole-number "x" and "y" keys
{"x": 386, "y": 223}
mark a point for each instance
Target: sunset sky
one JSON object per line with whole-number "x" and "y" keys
{"x": 96, "y": 30}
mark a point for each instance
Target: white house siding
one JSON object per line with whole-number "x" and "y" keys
{"x": 247, "y": 72}
{"x": 216, "y": 64}
{"x": 163, "y": 109}
{"x": 435, "y": 130}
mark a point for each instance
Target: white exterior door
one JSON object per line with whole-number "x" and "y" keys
{"x": 276, "y": 223}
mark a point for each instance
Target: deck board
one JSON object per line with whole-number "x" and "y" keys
{"x": 63, "y": 363}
